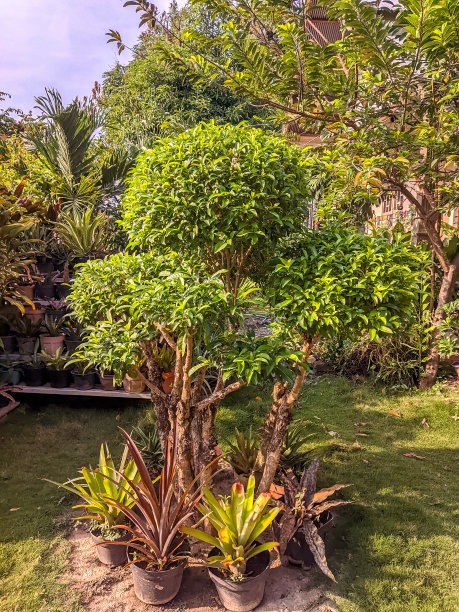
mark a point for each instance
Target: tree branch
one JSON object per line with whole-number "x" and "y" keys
{"x": 219, "y": 395}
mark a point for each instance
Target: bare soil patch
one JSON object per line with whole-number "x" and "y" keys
{"x": 103, "y": 589}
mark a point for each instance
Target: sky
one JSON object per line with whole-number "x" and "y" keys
{"x": 60, "y": 44}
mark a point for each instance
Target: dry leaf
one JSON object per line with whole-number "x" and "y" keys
{"x": 413, "y": 456}
{"x": 258, "y": 398}
{"x": 424, "y": 422}
{"x": 395, "y": 413}
{"x": 333, "y": 434}
{"x": 455, "y": 418}
{"x": 366, "y": 461}
{"x": 360, "y": 424}
{"x": 361, "y": 433}
{"x": 14, "y": 509}
{"x": 446, "y": 468}
{"x": 118, "y": 417}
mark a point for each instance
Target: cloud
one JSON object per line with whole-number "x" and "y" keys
{"x": 60, "y": 44}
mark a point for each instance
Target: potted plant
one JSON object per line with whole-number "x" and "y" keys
{"x": 26, "y": 287}
{"x": 7, "y": 339}
{"x": 84, "y": 377}
{"x": 27, "y": 334}
{"x": 157, "y": 549}
{"x": 57, "y": 368}
{"x": 35, "y": 313}
{"x": 34, "y": 371}
{"x": 238, "y": 563}
{"x": 57, "y": 309}
{"x": 100, "y": 489}
{"x": 133, "y": 381}
{"x": 107, "y": 380}
{"x": 305, "y": 518}
{"x": 45, "y": 290}
{"x": 53, "y": 339}
{"x": 165, "y": 358}
{"x": 73, "y": 335}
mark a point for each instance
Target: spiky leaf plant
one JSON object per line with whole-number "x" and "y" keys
{"x": 238, "y": 523}
{"x": 243, "y": 453}
{"x": 303, "y": 504}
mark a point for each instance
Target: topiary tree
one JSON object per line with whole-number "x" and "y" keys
{"x": 224, "y": 194}
{"x": 328, "y": 282}
{"x": 130, "y": 302}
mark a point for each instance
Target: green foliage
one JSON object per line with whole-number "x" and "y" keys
{"x": 96, "y": 487}
{"x": 83, "y": 232}
{"x": 294, "y": 456}
{"x": 448, "y": 344}
{"x": 146, "y": 438}
{"x": 123, "y": 298}
{"x": 243, "y": 453}
{"x": 164, "y": 357}
{"x": 216, "y": 191}
{"x": 149, "y": 98}
{"x": 238, "y": 523}
{"x": 336, "y": 280}
{"x": 155, "y": 521}
{"x": 59, "y": 361}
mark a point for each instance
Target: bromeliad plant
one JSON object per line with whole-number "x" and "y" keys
{"x": 96, "y": 487}
{"x": 238, "y": 523}
{"x": 302, "y": 509}
{"x": 155, "y": 518}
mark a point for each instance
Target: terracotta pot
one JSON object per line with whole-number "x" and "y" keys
{"x": 154, "y": 587}
{"x": 168, "y": 381}
{"x": 110, "y": 554}
{"x": 107, "y": 383}
{"x": 133, "y": 385}
{"x": 26, "y": 290}
{"x": 34, "y": 315}
{"x": 243, "y": 595}
{"x": 50, "y": 344}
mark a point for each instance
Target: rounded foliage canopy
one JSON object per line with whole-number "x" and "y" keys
{"x": 214, "y": 189}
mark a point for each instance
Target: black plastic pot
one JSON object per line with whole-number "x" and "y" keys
{"x": 153, "y": 587}
{"x": 62, "y": 290}
{"x": 72, "y": 346}
{"x": 26, "y": 346}
{"x": 107, "y": 382}
{"x": 84, "y": 381}
{"x": 44, "y": 291}
{"x": 9, "y": 344}
{"x": 34, "y": 377}
{"x": 58, "y": 378}
{"x": 44, "y": 265}
{"x": 243, "y": 595}
{"x": 298, "y": 551}
{"x": 110, "y": 554}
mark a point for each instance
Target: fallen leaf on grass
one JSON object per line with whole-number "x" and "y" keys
{"x": 360, "y": 424}
{"x": 333, "y": 434}
{"x": 366, "y": 461}
{"x": 446, "y": 468}
{"x": 14, "y": 509}
{"x": 118, "y": 417}
{"x": 413, "y": 456}
{"x": 361, "y": 433}
{"x": 424, "y": 422}
{"x": 258, "y": 398}
{"x": 455, "y": 418}
{"x": 395, "y": 413}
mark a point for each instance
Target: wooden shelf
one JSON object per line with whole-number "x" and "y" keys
{"x": 97, "y": 391}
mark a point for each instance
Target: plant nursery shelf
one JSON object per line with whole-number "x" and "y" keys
{"x": 95, "y": 392}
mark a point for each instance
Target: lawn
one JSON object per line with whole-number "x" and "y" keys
{"x": 395, "y": 554}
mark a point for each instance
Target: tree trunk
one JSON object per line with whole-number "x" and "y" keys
{"x": 278, "y": 420}
{"x": 444, "y": 297}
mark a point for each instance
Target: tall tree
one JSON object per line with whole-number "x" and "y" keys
{"x": 384, "y": 98}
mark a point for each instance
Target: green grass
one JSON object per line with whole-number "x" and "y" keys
{"x": 53, "y": 442}
{"x": 398, "y": 554}
{"x": 395, "y": 555}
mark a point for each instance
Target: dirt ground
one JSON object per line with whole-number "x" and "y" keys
{"x": 104, "y": 589}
